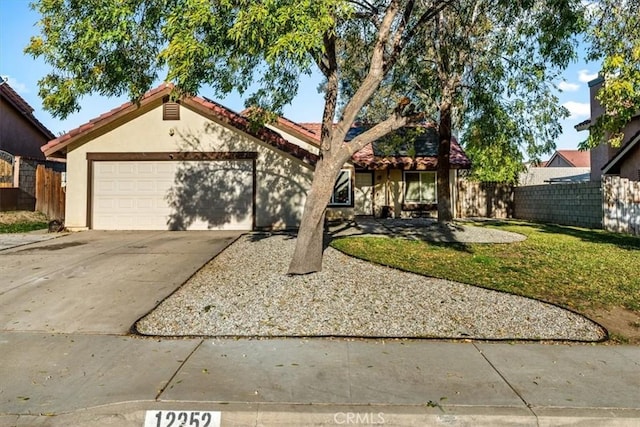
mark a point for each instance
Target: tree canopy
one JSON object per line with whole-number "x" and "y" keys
{"x": 614, "y": 37}
{"x": 495, "y": 65}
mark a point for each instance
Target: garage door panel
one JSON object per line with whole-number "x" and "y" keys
{"x": 161, "y": 195}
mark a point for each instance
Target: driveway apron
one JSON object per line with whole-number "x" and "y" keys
{"x": 98, "y": 281}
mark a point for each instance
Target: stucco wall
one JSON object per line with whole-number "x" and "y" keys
{"x": 282, "y": 180}
{"x": 389, "y": 192}
{"x": 630, "y": 169}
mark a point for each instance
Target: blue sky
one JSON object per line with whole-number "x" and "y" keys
{"x": 17, "y": 25}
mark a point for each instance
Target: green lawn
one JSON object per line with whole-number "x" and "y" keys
{"x": 22, "y": 227}
{"x": 573, "y": 267}
{"x": 22, "y": 221}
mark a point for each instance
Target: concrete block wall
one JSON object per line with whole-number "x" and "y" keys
{"x": 26, "y": 177}
{"x": 577, "y": 204}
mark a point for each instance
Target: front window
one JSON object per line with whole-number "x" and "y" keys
{"x": 420, "y": 187}
{"x": 342, "y": 189}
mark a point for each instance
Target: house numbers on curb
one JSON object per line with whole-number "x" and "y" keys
{"x": 182, "y": 419}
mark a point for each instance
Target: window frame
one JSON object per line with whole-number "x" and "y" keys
{"x": 420, "y": 174}
{"x": 350, "y": 183}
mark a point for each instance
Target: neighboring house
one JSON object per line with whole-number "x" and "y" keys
{"x": 626, "y": 162}
{"x": 623, "y": 161}
{"x": 193, "y": 164}
{"x": 569, "y": 159}
{"x": 564, "y": 166}
{"x": 21, "y": 134}
{"x": 552, "y": 175}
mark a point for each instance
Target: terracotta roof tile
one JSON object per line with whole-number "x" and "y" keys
{"x": 316, "y": 128}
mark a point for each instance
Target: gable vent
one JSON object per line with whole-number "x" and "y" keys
{"x": 170, "y": 111}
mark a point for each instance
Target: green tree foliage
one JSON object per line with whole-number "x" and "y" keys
{"x": 614, "y": 34}
{"x": 494, "y": 65}
{"x": 123, "y": 47}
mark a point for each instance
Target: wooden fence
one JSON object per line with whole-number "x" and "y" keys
{"x": 484, "y": 199}
{"x": 6, "y": 173}
{"x": 50, "y": 195}
{"x": 621, "y": 200}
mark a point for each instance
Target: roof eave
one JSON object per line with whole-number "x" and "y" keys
{"x": 606, "y": 169}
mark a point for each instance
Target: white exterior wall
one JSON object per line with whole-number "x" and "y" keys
{"x": 282, "y": 180}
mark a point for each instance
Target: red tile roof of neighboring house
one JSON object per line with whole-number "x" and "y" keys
{"x": 206, "y": 107}
{"x": 23, "y": 107}
{"x": 575, "y": 158}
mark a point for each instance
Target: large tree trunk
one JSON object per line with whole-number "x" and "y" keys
{"x": 307, "y": 257}
{"x": 445, "y": 213}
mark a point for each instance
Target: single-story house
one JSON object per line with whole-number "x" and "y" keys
{"x": 194, "y": 164}
{"x": 399, "y": 170}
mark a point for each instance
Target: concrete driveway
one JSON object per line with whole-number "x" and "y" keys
{"x": 98, "y": 281}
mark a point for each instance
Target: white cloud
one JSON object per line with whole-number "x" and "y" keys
{"x": 585, "y": 76}
{"x": 21, "y": 88}
{"x": 578, "y": 109}
{"x": 568, "y": 87}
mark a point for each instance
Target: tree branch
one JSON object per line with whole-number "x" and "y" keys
{"x": 331, "y": 92}
{"x": 401, "y": 42}
{"x": 374, "y": 75}
{"x": 393, "y": 122}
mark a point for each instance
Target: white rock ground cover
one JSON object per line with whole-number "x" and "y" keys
{"x": 246, "y": 292}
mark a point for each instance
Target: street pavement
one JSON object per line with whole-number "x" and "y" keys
{"x": 67, "y": 357}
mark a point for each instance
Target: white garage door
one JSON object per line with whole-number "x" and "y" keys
{"x": 172, "y": 195}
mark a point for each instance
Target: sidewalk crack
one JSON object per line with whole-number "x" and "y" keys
{"x": 526, "y": 404}
{"x": 186, "y": 359}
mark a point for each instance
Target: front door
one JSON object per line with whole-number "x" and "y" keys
{"x": 363, "y": 193}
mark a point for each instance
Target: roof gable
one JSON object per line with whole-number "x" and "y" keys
{"x": 204, "y": 106}
{"x": 573, "y": 158}
{"x": 18, "y": 102}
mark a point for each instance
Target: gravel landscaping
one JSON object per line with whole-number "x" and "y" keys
{"x": 245, "y": 292}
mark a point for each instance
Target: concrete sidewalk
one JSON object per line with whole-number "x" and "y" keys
{"x": 66, "y": 358}
{"x": 80, "y": 379}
